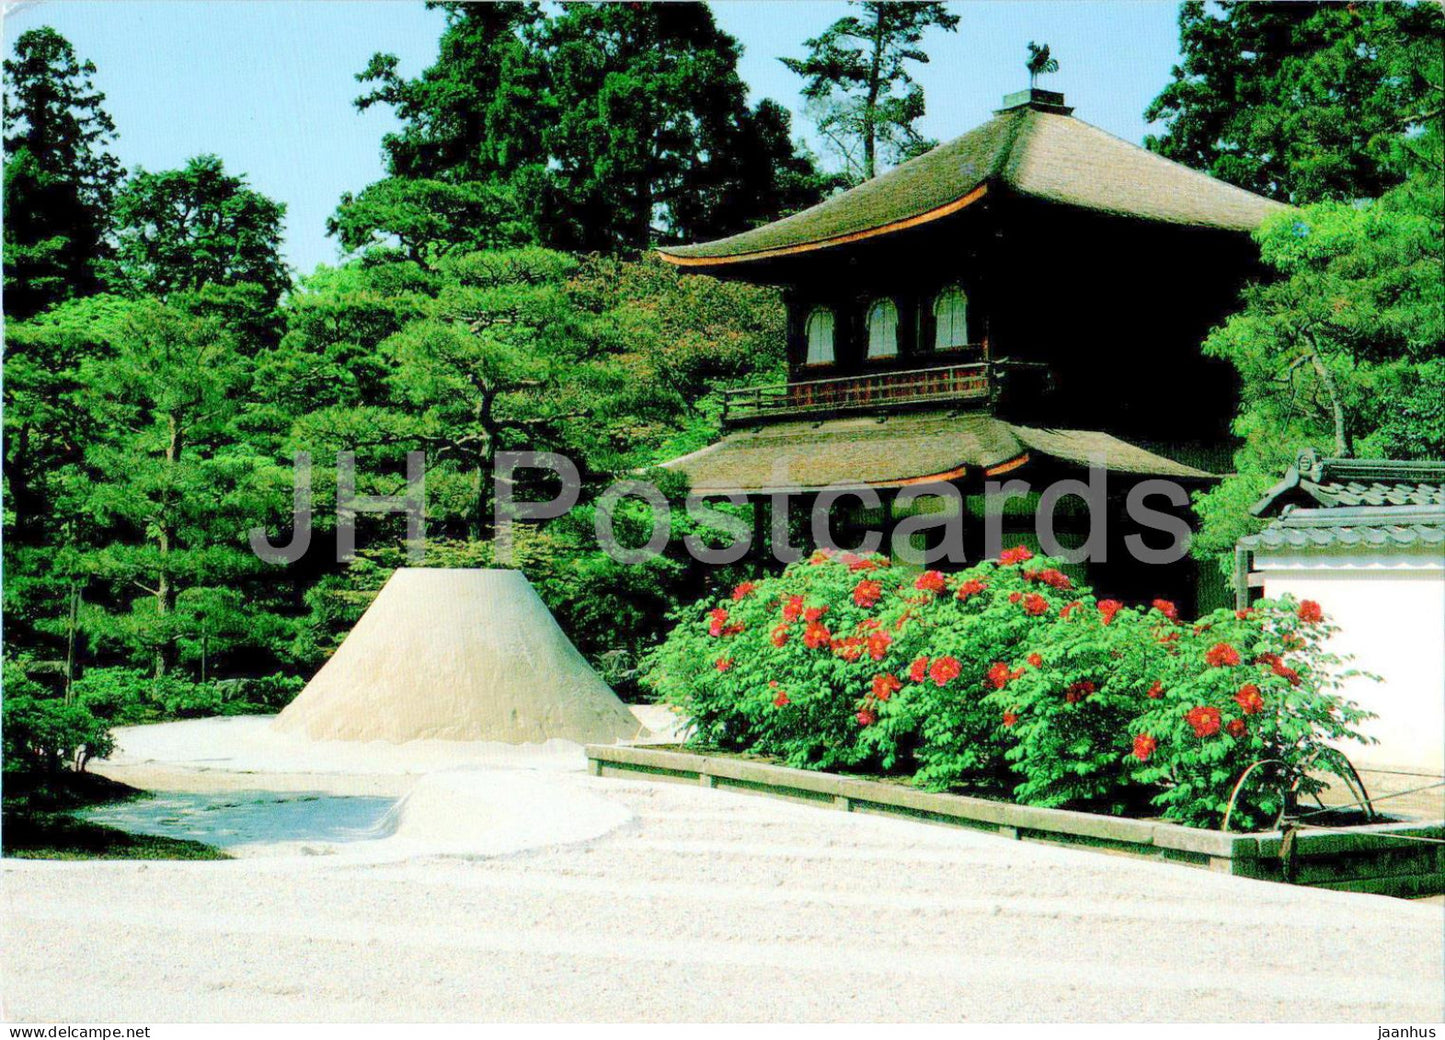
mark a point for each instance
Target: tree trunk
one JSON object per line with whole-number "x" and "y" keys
{"x": 72, "y": 624}
{"x": 1344, "y": 446}
{"x": 165, "y": 590}
{"x": 870, "y": 105}
{"x": 486, "y": 464}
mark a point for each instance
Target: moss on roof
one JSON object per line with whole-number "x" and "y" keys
{"x": 1039, "y": 154}
{"x": 899, "y": 450}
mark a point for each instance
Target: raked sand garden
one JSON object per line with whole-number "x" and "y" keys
{"x": 507, "y": 884}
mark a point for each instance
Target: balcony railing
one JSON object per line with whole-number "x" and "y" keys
{"x": 878, "y": 390}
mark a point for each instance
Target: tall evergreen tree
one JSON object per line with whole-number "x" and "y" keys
{"x": 857, "y": 79}
{"x": 169, "y": 477}
{"x": 1302, "y": 102}
{"x": 59, "y": 177}
{"x": 605, "y": 126}
{"x": 183, "y": 230}
{"x": 474, "y": 114}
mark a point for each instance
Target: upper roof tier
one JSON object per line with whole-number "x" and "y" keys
{"x": 1033, "y": 149}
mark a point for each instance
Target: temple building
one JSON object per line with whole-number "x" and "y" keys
{"x": 1019, "y": 301}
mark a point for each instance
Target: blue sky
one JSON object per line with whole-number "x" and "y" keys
{"x": 267, "y": 84}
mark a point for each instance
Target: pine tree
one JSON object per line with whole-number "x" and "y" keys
{"x": 59, "y": 176}
{"x": 857, "y": 80}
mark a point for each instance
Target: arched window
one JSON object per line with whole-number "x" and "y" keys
{"x": 950, "y": 319}
{"x": 883, "y": 329}
{"x": 819, "y": 332}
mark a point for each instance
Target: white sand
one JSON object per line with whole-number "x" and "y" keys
{"x": 674, "y": 903}
{"x": 459, "y": 654}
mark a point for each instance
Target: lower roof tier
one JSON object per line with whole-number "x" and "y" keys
{"x": 901, "y": 450}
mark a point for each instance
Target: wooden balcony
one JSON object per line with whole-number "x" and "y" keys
{"x": 876, "y": 391}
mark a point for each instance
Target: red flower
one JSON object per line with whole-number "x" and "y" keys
{"x": 1018, "y": 554}
{"x": 866, "y": 717}
{"x": 929, "y": 581}
{"x": 781, "y": 700}
{"x": 944, "y": 670}
{"x": 1156, "y": 691}
{"x": 814, "y": 613}
{"x": 1166, "y": 608}
{"x": 742, "y": 589}
{"x": 1036, "y": 660}
{"x": 1108, "y": 608}
{"x": 971, "y": 587}
{"x": 1245, "y": 614}
{"x": 1014, "y": 597}
{"x": 1010, "y": 718}
{"x": 1248, "y": 698}
{"x": 793, "y": 608}
{"x": 1069, "y": 608}
{"x": 1144, "y": 746}
{"x": 999, "y": 675}
{"x": 1204, "y": 719}
{"x": 1078, "y": 691}
{"x": 780, "y": 635}
{"x": 1221, "y": 655}
{"x": 724, "y": 663}
{"x": 849, "y": 649}
{"x": 885, "y": 686}
{"x": 1236, "y": 728}
{"x": 1310, "y": 612}
{"x": 816, "y": 636}
{"x": 918, "y": 670}
{"x": 1051, "y": 577}
{"x": 719, "y": 618}
{"x": 878, "y": 644}
{"x": 867, "y": 593}
{"x": 1035, "y": 605}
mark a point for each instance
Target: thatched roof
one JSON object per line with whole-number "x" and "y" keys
{"x": 1026, "y": 150}
{"x": 900, "y": 450}
{"x": 458, "y": 654}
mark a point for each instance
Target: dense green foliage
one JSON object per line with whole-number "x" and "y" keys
{"x": 149, "y": 429}
{"x": 180, "y": 230}
{"x": 1302, "y": 102}
{"x": 586, "y": 127}
{"x": 1341, "y": 347}
{"x": 1344, "y": 350}
{"x": 59, "y": 177}
{"x": 1008, "y": 674}
{"x": 857, "y": 82}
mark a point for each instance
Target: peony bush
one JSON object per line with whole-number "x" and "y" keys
{"x": 1009, "y": 676}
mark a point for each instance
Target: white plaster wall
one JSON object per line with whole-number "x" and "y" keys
{"x": 1391, "y": 616}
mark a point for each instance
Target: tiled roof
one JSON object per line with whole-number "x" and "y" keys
{"x": 1395, "y": 493}
{"x": 1373, "y": 505}
{"x": 1336, "y": 534}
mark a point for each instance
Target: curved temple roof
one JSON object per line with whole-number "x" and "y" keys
{"x": 1039, "y": 154}
{"x": 909, "y": 449}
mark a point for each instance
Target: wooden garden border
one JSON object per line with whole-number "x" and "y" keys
{"x": 1380, "y": 858}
